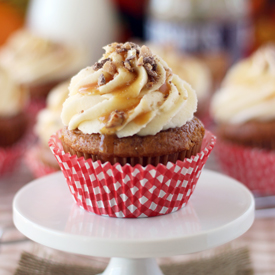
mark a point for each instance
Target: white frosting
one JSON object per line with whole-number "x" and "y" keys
{"x": 13, "y": 98}
{"x": 149, "y": 110}
{"x": 48, "y": 119}
{"x": 33, "y": 59}
{"x": 248, "y": 91}
{"x": 191, "y": 69}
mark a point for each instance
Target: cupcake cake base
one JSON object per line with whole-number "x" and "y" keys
{"x": 131, "y": 191}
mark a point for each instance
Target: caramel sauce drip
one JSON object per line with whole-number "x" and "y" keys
{"x": 106, "y": 145}
{"x": 93, "y": 87}
{"x": 165, "y": 89}
{"x": 143, "y": 118}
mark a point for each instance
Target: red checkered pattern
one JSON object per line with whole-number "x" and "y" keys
{"x": 35, "y": 106}
{"x": 10, "y": 156}
{"x": 36, "y": 166}
{"x": 253, "y": 167}
{"x": 131, "y": 192}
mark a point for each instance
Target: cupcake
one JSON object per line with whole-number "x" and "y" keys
{"x": 193, "y": 71}
{"x": 13, "y": 122}
{"x": 245, "y": 115}
{"x": 39, "y": 158}
{"x": 13, "y": 119}
{"x": 130, "y": 125}
{"x": 38, "y": 63}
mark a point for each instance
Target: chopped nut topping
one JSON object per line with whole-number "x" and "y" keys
{"x": 101, "y": 80}
{"x": 131, "y": 57}
{"x": 148, "y": 67}
{"x": 99, "y": 65}
{"x": 127, "y": 65}
{"x": 119, "y": 49}
{"x": 145, "y": 51}
{"x": 109, "y": 67}
{"x": 149, "y": 85}
{"x": 127, "y": 45}
{"x": 116, "y": 119}
{"x": 140, "y": 61}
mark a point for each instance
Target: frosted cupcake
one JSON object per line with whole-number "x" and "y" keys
{"x": 39, "y": 158}
{"x": 13, "y": 122}
{"x": 245, "y": 114}
{"x": 130, "y": 116}
{"x": 39, "y": 64}
{"x": 13, "y": 118}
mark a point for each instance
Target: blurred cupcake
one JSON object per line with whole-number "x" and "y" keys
{"x": 38, "y": 63}
{"x": 39, "y": 158}
{"x": 13, "y": 118}
{"x": 244, "y": 110}
{"x": 13, "y": 121}
{"x": 131, "y": 136}
{"x": 193, "y": 71}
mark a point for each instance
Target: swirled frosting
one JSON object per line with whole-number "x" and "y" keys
{"x": 129, "y": 91}
{"x": 13, "y": 97}
{"x": 189, "y": 68}
{"x": 248, "y": 90}
{"x": 33, "y": 59}
{"x": 48, "y": 119}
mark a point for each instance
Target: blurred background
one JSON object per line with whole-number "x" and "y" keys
{"x": 225, "y": 29}
{"x": 43, "y": 43}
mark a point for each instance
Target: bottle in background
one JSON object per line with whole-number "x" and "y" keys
{"x": 87, "y": 22}
{"x": 218, "y": 31}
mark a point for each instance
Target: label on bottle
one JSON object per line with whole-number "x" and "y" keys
{"x": 233, "y": 37}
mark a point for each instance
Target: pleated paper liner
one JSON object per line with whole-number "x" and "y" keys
{"x": 37, "y": 166}
{"x": 11, "y": 156}
{"x": 131, "y": 191}
{"x": 253, "y": 167}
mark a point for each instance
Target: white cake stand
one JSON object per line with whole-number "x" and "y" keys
{"x": 220, "y": 210}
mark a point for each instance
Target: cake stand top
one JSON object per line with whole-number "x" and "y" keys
{"x": 220, "y": 210}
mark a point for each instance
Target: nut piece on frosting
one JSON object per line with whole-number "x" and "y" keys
{"x": 128, "y": 91}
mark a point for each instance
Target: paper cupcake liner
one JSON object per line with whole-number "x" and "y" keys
{"x": 127, "y": 191}
{"x": 37, "y": 167}
{"x": 12, "y": 155}
{"x": 253, "y": 167}
{"x": 35, "y": 106}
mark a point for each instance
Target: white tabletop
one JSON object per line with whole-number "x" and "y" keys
{"x": 220, "y": 210}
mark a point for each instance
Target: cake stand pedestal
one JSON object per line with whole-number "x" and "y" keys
{"x": 220, "y": 210}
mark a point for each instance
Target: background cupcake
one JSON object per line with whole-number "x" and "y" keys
{"x": 131, "y": 118}
{"x": 39, "y": 158}
{"x": 38, "y": 63}
{"x": 13, "y": 121}
{"x": 245, "y": 114}
{"x": 13, "y": 118}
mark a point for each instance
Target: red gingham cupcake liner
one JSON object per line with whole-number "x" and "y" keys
{"x": 35, "y": 106}
{"x": 131, "y": 192}
{"x": 10, "y": 156}
{"x": 37, "y": 166}
{"x": 253, "y": 167}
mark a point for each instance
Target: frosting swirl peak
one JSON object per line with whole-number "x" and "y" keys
{"x": 128, "y": 91}
{"x": 248, "y": 91}
{"x": 13, "y": 97}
